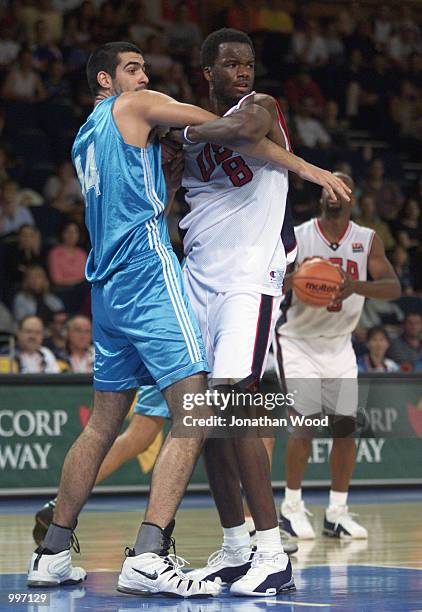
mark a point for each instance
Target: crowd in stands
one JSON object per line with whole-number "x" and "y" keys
{"x": 349, "y": 81}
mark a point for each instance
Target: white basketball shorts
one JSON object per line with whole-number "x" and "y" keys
{"x": 237, "y": 329}
{"x": 320, "y": 372}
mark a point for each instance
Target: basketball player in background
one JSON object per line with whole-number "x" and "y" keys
{"x": 315, "y": 357}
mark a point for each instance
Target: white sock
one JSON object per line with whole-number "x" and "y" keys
{"x": 337, "y": 498}
{"x": 236, "y": 537}
{"x": 269, "y": 541}
{"x": 250, "y": 523}
{"x": 292, "y": 496}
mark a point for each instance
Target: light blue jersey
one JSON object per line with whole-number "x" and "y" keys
{"x": 144, "y": 329}
{"x": 124, "y": 190}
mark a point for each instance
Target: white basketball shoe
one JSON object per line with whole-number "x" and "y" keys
{"x": 151, "y": 574}
{"x": 51, "y": 570}
{"x": 225, "y": 565}
{"x": 339, "y": 523}
{"x": 270, "y": 574}
{"x": 294, "y": 520}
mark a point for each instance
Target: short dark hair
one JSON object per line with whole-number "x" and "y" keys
{"x": 377, "y": 329}
{"x": 209, "y": 48}
{"x": 106, "y": 58}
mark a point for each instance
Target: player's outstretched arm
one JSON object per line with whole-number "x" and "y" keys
{"x": 158, "y": 109}
{"x": 385, "y": 284}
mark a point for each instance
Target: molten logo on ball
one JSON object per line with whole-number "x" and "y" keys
{"x": 323, "y": 287}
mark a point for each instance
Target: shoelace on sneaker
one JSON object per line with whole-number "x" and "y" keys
{"x": 345, "y": 515}
{"x": 299, "y": 507}
{"x": 177, "y": 564}
{"x": 259, "y": 557}
{"x": 220, "y": 555}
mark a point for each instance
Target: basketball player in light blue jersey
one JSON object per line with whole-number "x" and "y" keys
{"x": 143, "y": 326}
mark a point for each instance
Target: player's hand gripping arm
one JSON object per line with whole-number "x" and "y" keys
{"x": 385, "y": 284}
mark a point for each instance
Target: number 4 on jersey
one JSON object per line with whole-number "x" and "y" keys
{"x": 90, "y": 178}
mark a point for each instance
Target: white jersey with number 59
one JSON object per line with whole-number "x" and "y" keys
{"x": 351, "y": 253}
{"x": 238, "y": 234}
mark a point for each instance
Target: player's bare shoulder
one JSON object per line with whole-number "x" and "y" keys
{"x": 261, "y": 99}
{"x": 139, "y": 102}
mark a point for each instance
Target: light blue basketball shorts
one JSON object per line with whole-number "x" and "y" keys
{"x": 144, "y": 328}
{"x": 151, "y": 402}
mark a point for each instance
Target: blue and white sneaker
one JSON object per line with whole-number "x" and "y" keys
{"x": 339, "y": 523}
{"x": 225, "y": 565}
{"x": 270, "y": 574}
{"x": 48, "y": 570}
{"x": 150, "y": 574}
{"x": 294, "y": 521}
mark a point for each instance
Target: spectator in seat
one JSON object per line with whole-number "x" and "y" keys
{"x": 369, "y": 218}
{"x": 178, "y": 84}
{"x": 35, "y": 297}
{"x": 9, "y": 47}
{"x": 387, "y": 195}
{"x": 406, "y": 350}
{"x": 375, "y": 360}
{"x": 408, "y": 229}
{"x": 158, "y": 60}
{"x": 23, "y": 83}
{"x": 303, "y": 199}
{"x": 309, "y": 131}
{"x": 80, "y": 351}
{"x": 403, "y": 44}
{"x": 383, "y": 27}
{"x": 12, "y": 214}
{"x": 302, "y": 86}
{"x": 28, "y": 251}
{"x": 57, "y": 86}
{"x": 182, "y": 34}
{"x": 63, "y": 191}
{"x": 309, "y": 47}
{"x": 66, "y": 261}
{"x": 141, "y": 26}
{"x": 31, "y": 356}
{"x": 57, "y": 335}
{"x": 66, "y": 265}
{"x": 44, "y": 51}
{"x": 400, "y": 261}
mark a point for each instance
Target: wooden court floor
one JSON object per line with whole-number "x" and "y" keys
{"x": 384, "y": 573}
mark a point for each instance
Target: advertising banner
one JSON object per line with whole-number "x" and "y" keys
{"x": 40, "y": 417}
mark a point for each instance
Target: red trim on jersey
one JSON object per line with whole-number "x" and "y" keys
{"x": 283, "y": 124}
{"x": 371, "y": 241}
{"x": 320, "y": 230}
{"x": 262, "y": 334}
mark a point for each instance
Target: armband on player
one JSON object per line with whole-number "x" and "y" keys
{"x": 185, "y": 136}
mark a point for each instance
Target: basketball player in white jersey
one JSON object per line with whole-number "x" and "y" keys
{"x": 236, "y": 256}
{"x": 316, "y": 358}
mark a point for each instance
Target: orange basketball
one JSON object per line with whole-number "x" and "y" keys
{"x": 316, "y": 282}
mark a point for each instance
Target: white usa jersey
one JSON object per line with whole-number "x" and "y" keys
{"x": 237, "y": 233}
{"x": 351, "y": 253}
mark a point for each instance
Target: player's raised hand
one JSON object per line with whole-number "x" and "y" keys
{"x": 334, "y": 186}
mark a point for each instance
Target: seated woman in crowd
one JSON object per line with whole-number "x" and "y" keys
{"x": 66, "y": 267}
{"x": 34, "y": 297}
{"x": 378, "y": 344}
